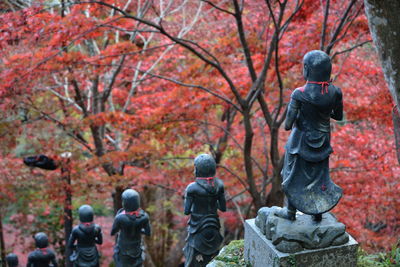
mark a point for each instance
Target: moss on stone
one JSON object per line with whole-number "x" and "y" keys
{"x": 231, "y": 255}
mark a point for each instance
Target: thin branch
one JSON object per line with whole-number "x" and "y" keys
{"x": 217, "y": 7}
{"x": 324, "y": 25}
{"x": 280, "y": 83}
{"x": 234, "y": 174}
{"x": 108, "y": 90}
{"x": 183, "y": 43}
{"x": 79, "y": 98}
{"x": 62, "y": 126}
{"x": 198, "y": 87}
{"x": 243, "y": 41}
{"x": 351, "y": 48}
{"x": 339, "y": 27}
{"x": 237, "y": 208}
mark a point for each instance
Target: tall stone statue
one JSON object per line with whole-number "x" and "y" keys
{"x": 130, "y": 222}
{"x": 306, "y": 181}
{"x": 203, "y": 198}
{"x": 12, "y": 260}
{"x": 87, "y": 235}
{"x": 42, "y": 256}
{"x": 319, "y": 239}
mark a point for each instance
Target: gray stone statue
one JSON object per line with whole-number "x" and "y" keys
{"x": 306, "y": 181}
{"x": 203, "y": 198}
{"x": 130, "y": 222}
{"x": 87, "y": 235}
{"x": 42, "y": 256}
{"x": 12, "y": 260}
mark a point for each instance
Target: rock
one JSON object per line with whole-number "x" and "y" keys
{"x": 303, "y": 233}
{"x": 231, "y": 255}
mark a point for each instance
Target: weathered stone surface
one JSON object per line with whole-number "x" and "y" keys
{"x": 260, "y": 252}
{"x": 231, "y": 255}
{"x": 303, "y": 233}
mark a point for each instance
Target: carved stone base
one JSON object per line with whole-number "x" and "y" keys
{"x": 260, "y": 252}
{"x": 303, "y": 233}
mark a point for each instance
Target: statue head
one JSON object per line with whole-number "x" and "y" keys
{"x": 41, "y": 240}
{"x": 317, "y": 66}
{"x": 86, "y": 213}
{"x": 12, "y": 260}
{"x": 130, "y": 200}
{"x": 204, "y": 166}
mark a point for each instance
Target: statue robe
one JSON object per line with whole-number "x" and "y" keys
{"x": 306, "y": 180}
{"x": 202, "y": 200}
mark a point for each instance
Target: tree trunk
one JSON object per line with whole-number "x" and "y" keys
{"x": 276, "y": 195}
{"x": 68, "y": 220}
{"x": 2, "y": 245}
{"x": 248, "y": 163}
{"x": 117, "y": 198}
{"x": 384, "y": 24}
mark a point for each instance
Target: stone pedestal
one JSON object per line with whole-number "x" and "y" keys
{"x": 260, "y": 252}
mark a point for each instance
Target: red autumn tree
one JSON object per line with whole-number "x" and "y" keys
{"x": 139, "y": 88}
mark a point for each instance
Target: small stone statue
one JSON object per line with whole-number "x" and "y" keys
{"x": 306, "y": 181}
{"x": 42, "y": 256}
{"x": 87, "y": 234}
{"x": 202, "y": 200}
{"x": 131, "y": 222}
{"x": 12, "y": 260}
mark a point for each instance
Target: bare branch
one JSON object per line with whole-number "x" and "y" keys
{"x": 217, "y": 7}
{"x": 351, "y": 48}
{"x": 108, "y": 90}
{"x": 340, "y": 26}
{"x": 243, "y": 41}
{"x": 324, "y": 25}
{"x": 234, "y": 174}
{"x": 210, "y": 91}
{"x": 79, "y": 138}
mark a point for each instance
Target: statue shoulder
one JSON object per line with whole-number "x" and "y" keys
{"x": 97, "y": 228}
{"x": 31, "y": 255}
{"x": 338, "y": 91}
{"x": 51, "y": 253}
{"x": 145, "y": 215}
{"x": 297, "y": 93}
{"x": 219, "y": 183}
{"x": 119, "y": 217}
{"x": 220, "y": 186}
{"x": 191, "y": 188}
{"x": 75, "y": 230}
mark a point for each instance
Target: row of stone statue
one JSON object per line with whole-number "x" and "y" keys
{"x": 306, "y": 183}
{"x": 202, "y": 200}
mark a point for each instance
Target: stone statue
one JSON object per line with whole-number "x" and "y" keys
{"x": 130, "y": 222}
{"x": 87, "y": 234}
{"x": 12, "y": 260}
{"x": 42, "y": 256}
{"x": 202, "y": 200}
{"x": 306, "y": 181}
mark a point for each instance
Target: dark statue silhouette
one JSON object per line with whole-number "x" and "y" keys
{"x": 130, "y": 223}
{"x": 12, "y": 260}
{"x": 203, "y": 198}
{"x": 41, "y": 161}
{"x": 306, "y": 181}
{"x": 87, "y": 235}
{"x": 42, "y": 256}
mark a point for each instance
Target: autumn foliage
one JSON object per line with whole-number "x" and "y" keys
{"x": 136, "y": 89}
